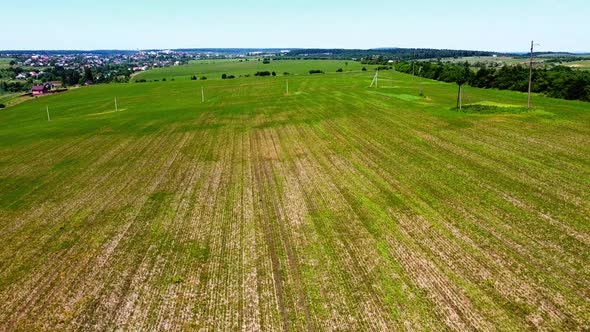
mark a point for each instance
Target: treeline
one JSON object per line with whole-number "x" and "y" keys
{"x": 374, "y": 56}
{"x": 15, "y": 86}
{"x": 557, "y": 82}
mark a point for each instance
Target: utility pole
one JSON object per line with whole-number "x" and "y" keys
{"x": 530, "y": 75}
{"x": 413, "y": 62}
{"x": 420, "y": 81}
{"x": 116, "y": 107}
{"x": 460, "y": 97}
{"x": 48, "y": 118}
{"x": 375, "y": 80}
{"x": 202, "y": 94}
{"x": 287, "y": 87}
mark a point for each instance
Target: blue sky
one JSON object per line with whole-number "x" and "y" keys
{"x": 499, "y": 25}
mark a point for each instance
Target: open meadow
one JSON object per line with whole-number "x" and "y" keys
{"x": 213, "y": 69}
{"x": 581, "y": 64}
{"x": 5, "y": 62}
{"x": 334, "y": 206}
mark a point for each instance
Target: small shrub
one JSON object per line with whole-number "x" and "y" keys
{"x": 2, "y": 106}
{"x": 176, "y": 280}
{"x": 364, "y": 69}
{"x": 315, "y": 71}
{"x": 203, "y": 78}
{"x": 274, "y": 74}
{"x": 339, "y": 70}
{"x": 194, "y": 78}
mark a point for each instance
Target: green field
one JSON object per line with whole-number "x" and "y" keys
{"x": 213, "y": 69}
{"x": 582, "y": 64}
{"x": 5, "y": 62}
{"x": 334, "y": 207}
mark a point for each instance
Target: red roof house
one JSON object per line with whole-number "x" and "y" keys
{"x": 38, "y": 90}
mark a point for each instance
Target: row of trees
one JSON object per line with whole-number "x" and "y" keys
{"x": 557, "y": 82}
{"x": 376, "y": 56}
{"x": 265, "y": 73}
{"x": 16, "y": 86}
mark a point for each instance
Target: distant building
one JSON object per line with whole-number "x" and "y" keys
{"x": 39, "y": 90}
{"x": 55, "y": 84}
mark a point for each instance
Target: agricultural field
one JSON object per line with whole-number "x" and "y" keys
{"x": 582, "y": 64}
{"x": 213, "y": 69}
{"x": 334, "y": 206}
{"x": 5, "y": 62}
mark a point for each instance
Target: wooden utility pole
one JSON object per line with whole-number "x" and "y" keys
{"x": 375, "y": 79}
{"x": 287, "y": 87}
{"x": 414, "y": 63}
{"x": 116, "y": 107}
{"x": 48, "y": 118}
{"x": 530, "y": 76}
{"x": 202, "y": 94}
{"x": 459, "y": 97}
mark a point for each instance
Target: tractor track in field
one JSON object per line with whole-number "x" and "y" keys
{"x": 269, "y": 239}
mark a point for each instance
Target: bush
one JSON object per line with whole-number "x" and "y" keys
{"x": 266, "y": 61}
{"x": 163, "y": 80}
{"x": 274, "y": 74}
{"x": 203, "y": 78}
{"x": 339, "y": 70}
{"x": 262, "y": 73}
{"x": 364, "y": 69}
{"x": 315, "y": 71}
{"x": 224, "y": 76}
{"x": 2, "y": 106}
{"x": 141, "y": 81}
{"x": 194, "y": 78}
{"x": 286, "y": 74}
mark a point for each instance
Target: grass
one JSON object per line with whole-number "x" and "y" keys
{"x": 213, "y": 69}
{"x": 582, "y": 64}
{"x": 335, "y": 207}
{"x": 5, "y": 62}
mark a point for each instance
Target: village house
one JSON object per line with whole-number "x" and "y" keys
{"x": 55, "y": 84}
{"x": 39, "y": 90}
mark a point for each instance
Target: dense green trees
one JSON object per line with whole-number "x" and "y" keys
{"x": 262, "y": 73}
{"x": 558, "y": 82}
